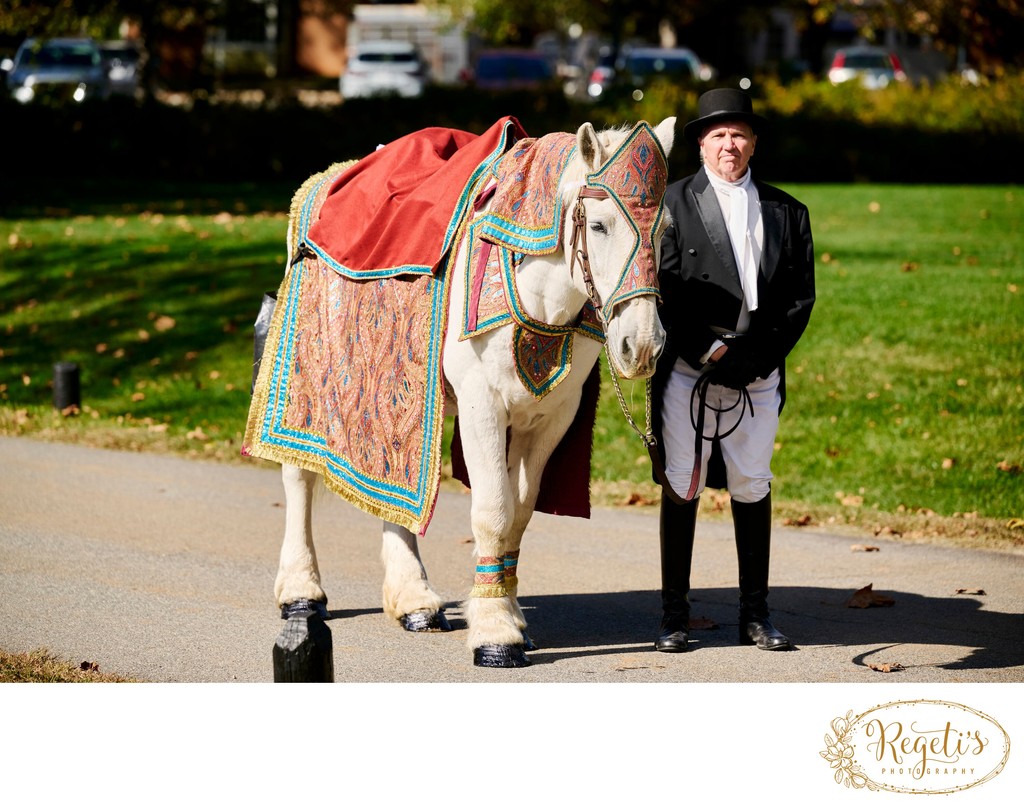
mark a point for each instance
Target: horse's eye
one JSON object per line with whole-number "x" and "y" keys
{"x": 598, "y": 227}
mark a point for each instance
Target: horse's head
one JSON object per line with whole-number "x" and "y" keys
{"x": 615, "y": 188}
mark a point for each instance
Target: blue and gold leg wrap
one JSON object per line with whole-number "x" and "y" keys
{"x": 489, "y": 581}
{"x": 511, "y": 562}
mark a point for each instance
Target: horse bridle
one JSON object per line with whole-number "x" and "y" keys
{"x": 580, "y": 254}
{"x": 579, "y": 247}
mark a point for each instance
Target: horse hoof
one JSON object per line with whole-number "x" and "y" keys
{"x": 303, "y": 652}
{"x": 500, "y": 657}
{"x": 318, "y": 608}
{"x": 425, "y": 621}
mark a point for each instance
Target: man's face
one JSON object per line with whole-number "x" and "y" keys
{"x": 727, "y": 148}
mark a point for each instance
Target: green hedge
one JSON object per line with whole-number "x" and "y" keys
{"x": 944, "y": 133}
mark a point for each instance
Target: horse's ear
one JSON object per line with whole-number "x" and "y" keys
{"x": 666, "y": 134}
{"x": 591, "y": 151}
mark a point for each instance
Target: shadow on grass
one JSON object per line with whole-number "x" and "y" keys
{"x": 135, "y": 310}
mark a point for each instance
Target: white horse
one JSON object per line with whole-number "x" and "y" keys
{"x": 507, "y": 433}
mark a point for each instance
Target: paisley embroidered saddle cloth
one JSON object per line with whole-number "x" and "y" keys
{"x": 350, "y": 385}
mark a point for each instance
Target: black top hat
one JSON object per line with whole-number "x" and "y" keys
{"x": 724, "y": 104}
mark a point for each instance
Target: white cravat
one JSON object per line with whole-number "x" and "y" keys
{"x": 740, "y": 233}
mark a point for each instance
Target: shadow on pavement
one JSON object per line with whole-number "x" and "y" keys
{"x": 810, "y": 616}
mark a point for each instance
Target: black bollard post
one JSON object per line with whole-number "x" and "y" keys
{"x": 304, "y": 651}
{"x": 66, "y": 389}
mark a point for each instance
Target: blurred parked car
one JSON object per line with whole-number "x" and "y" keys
{"x": 636, "y": 67}
{"x": 384, "y": 67}
{"x": 123, "y": 63}
{"x": 872, "y": 67}
{"x": 512, "y": 69}
{"x": 60, "y": 69}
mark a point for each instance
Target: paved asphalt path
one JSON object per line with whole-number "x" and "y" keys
{"x": 162, "y": 569}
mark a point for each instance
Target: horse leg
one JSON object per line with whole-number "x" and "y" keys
{"x": 297, "y": 586}
{"x": 408, "y": 597}
{"x": 304, "y": 650}
{"x": 528, "y": 454}
{"x": 494, "y": 634}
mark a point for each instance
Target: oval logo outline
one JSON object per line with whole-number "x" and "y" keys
{"x": 867, "y": 736}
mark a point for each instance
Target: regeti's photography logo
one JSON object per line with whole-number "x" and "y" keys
{"x": 922, "y": 747}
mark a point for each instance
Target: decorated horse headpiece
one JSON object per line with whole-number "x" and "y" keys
{"x": 525, "y": 215}
{"x": 635, "y": 177}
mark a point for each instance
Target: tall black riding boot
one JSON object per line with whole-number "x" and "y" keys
{"x": 753, "y": 526}
{"x": 678, "y": 524}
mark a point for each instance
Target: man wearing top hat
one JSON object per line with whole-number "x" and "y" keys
{"x": 737, "y": 284}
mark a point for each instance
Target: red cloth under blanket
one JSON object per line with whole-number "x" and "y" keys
{"x": 397, "y": 210}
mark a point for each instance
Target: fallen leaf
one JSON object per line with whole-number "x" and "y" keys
{"x": 886, "y": 668}
{"x": 887, "y": 531}
{"x": 865, "y": 597}
{"x": 910, "y": 266}
{"x": 702, "y": 623}
{"x": 864, "y": 548}
{"x": 85, "y": 665}
{"x": 948, "y": 463}
{"x": 968, "y": 591}
{"x": 637, "y": 499}
{"x": 164, "y": 323}
{"x": 803, "y": 519}
{"x": 1014, "y": 523}
{"x": 197, "y": 434}
{"x": 1006, "y": 466}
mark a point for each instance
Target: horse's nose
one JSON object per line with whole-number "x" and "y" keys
{"x": 659, "y": 347}
{"x": 639, "y": 354}
{"x": 626, "y": 350}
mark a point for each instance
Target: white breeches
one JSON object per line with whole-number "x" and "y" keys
{"x": 747, "y": 451}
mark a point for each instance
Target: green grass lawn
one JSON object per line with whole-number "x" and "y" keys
{"x": 905, "y": 395}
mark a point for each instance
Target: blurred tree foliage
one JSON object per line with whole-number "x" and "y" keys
{"x": 987, "y": 33}
{"x": 983, "y": 33}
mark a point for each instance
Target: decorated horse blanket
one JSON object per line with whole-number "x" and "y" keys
{"x": 350, "y": 385}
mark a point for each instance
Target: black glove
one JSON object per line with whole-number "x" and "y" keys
{"x": 736, "y": 368}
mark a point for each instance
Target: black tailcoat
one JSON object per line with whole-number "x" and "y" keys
{"x": 700, "y": 281}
